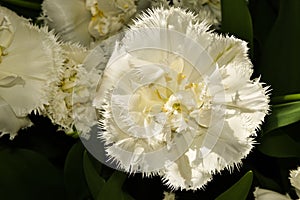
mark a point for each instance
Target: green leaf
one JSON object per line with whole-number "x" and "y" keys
{"x": 113, "y": 188}
{"x": 239, "y": 190}
{"x": 285, "y": 98}
{"x": 279, "y": 145}
{"x": 263, "y": 16}
{"x": 282, "y": 115}
{"x": 94, "y": 180}
{"x": 236, "y": 19}
{"x": 279, "y": 61}
{"x": 26, "y": 174}
{"x": 75, "y": 183}
{"x": 24, "y": 4}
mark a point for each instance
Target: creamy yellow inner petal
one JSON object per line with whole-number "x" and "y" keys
{"x": 181, "y": 106}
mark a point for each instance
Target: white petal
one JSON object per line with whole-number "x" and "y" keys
{"x": 180, "y": 175}
{"x": 225, "y": 50}
{"x": 9, "y": 122}
{"x": 70, "y": 19}
{"x": 263, "y": 194}
{"x": 30, "y": 63}
{"x": 205, "y": 10}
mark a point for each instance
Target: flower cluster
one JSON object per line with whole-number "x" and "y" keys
{"x": 172, "y": 97}
{"x": 43, "y": 75}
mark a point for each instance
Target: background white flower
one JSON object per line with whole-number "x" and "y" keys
{"x": 208, "y": 10}
{"x": 69, "y": 19}
{"x": 85, "y": 21}
{"x": 264, "y": 194}
{"x": 295, "y": 180}
{"x": 179, "y": 97}
{"x": 71, "y": 96}
{"x": 29, "y": 61}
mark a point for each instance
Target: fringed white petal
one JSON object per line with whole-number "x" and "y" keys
{"x": 28, "y": 66}
{"x": 181, "y": 175}
{"x": 69, "y": 19}
{"x": 9, "y": 122}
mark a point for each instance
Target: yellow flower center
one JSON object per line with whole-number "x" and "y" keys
{"x": 152, "y": 101}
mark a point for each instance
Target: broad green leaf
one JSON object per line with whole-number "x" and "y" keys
{"x": 282, "y": 115}
{"x": 279, "y": 62}
{"x": 26, "y": 174}
{"x": 236, "y": 20}
{"x": 279, "y": 145}
{"x": 113, "y": 187}
{"x": 239, "y": 190}
{"x": 24, "y": 4}
{"x": 93, "y": 179}
{"x": 75, "y": 183}
{"x": 285, "y": 98}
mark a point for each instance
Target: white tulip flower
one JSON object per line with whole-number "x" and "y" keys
{"x": 177, "y": 100}
{"x": 29, "y": 61}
